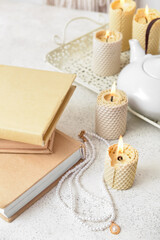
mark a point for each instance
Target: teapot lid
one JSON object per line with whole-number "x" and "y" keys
{"x": 152, "y": 66}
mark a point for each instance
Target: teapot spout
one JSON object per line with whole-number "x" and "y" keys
{"x": 136, "y": 51}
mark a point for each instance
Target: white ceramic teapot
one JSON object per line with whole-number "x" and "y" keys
{"x": 141, "y": 81}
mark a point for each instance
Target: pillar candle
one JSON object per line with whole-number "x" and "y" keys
{"x": 140, "y": 23}
{"x": 111, "y": 114}
{"x": 106, "y": 53}
{"x": 120, "y": 19}
{"x": 120, "y": 174}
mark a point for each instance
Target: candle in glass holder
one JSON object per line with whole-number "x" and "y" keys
{"x": 120, "y": 19}
{"x": 111, "y": 113}
{"x": 140, "y": 23}
{"x": 120, "y": 165}
{"x": 106, "y": 53}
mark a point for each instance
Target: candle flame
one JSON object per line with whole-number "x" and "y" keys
{"x": 120, "y": 145}
{"x": 107, "y": 34}
{"x": 113, "y": 89}
{"x": 146, "y": 10}
{"x": 122, "y": 2}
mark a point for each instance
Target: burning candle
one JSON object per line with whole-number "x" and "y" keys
{"x": 108, "y": 36}
{"x": 111, "y": 113}
{"x": 120, "y": 149}
{"x": 120, "y": 19}
{"x": 105, "y": 43}
{"x": 146, "y": 13}
{"x": 141, "y": 21}
{"x": 113, "y": 91}
{"x": 120, "y": 165}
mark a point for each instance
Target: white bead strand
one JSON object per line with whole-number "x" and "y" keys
{"x": 92, "y": 223}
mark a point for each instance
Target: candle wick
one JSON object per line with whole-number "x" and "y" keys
{"x": 119, "y": 158}
{"x": 146, "y": 19}
{"x": 111, "y": 98}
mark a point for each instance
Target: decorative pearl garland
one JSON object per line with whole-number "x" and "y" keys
{"x": 76, "y": 173}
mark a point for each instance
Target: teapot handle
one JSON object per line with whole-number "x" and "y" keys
{"x": 148, "y": 33}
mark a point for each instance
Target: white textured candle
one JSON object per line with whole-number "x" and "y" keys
{"x": 106, "y": 53}
{"x": 111, "y": 117}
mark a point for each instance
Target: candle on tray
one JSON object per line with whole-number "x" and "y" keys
{"x": 106, "y": 53}
{"x": 120, "y": 165}
{"x": 111, "y": 113}
{"x": 141, "y": 21}
{"x": 120, "y": 19}
{"x": 108, "y": 36}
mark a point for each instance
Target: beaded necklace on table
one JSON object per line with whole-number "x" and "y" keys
{"x": 76, "y": 173}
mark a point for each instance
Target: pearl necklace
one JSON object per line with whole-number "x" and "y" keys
{"x": 92, "y": 223}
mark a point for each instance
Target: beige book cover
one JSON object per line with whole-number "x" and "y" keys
{"x": 7, "y": 146}
{"x": 21, "y": 172}
{"x": 29, "y": 102}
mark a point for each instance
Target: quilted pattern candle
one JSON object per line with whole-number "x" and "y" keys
{"x": 106, "y": 53}
{"x": 111, "y": 113}
{"x": 140, "y": 23}
{"x": 120, "y": 19}
{"x": 120, "y": 165}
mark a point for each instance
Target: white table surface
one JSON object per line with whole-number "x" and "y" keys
{"x": 26, "y": 35}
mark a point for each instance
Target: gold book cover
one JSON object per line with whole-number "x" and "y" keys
{"x": 29, "y": 101}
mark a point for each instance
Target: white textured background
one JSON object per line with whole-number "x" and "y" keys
{"x": 26, "y": 35}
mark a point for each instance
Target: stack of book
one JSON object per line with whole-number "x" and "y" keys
{"x": 33, "y": 154}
